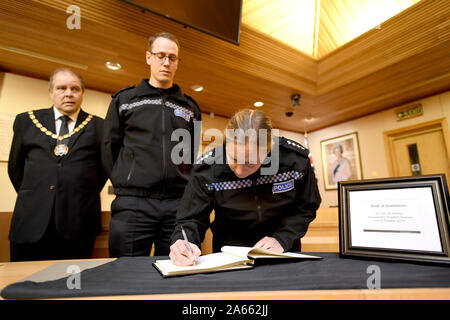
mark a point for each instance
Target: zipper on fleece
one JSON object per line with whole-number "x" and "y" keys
{"x": 164, "y": 147}
{"x": 133, "y": 163}
{"x": 256, "y": 198}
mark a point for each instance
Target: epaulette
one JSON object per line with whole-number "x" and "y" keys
{"x": 192, "y": 102}
{"x": 203, "y": 157}
{"x": 295, "y": 146}
{"x": 189, "y": 97}
{"x": 121, "y": 90}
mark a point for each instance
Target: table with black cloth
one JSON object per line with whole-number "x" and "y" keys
{"x": 137, "y": 276}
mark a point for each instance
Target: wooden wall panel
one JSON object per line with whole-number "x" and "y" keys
{"x": 5, "y": 222}
{"x": 344, "y": 20}
{"x": 417, "y": 29}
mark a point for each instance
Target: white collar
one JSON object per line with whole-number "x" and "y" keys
{"x": 72, "y": 117}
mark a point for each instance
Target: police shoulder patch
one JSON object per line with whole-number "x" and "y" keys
{"x": 122, "y": 90}
{"x": 293, "y": 145}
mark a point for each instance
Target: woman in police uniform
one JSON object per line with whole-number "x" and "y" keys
{"x": 262, "y": 189}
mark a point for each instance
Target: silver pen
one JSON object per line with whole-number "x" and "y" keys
{"x": 187, "y": 243}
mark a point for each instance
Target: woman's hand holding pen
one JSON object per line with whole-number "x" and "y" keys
{"x": 182, "y": 256}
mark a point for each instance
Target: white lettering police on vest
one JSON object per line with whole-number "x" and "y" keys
{"x": 283, "y": 186}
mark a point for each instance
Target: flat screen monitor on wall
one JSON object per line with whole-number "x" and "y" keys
{"x": 220, "y": 18}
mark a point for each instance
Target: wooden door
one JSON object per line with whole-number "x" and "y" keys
{"x": 429, "y": 141}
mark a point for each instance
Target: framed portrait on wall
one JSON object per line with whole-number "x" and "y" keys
{"x": 341, "y": 160}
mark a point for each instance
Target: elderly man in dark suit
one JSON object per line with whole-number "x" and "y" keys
{"x": 55, "y": 167}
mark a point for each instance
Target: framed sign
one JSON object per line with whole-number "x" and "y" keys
{"x": 403, "y": 218}
{"x": 340, "y": 160}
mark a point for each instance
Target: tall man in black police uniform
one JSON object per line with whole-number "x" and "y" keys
{"x": 55, "y": 167}
{"x": 137, "y": 151}
{"x": 266, "y": 202}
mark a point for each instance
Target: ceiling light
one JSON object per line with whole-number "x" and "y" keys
{"x": 113, "y": 65}
{"x": 258, "y": 104}
{"x": 197, "y": 88}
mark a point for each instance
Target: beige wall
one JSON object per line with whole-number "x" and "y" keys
{"x": 370, "y": 134}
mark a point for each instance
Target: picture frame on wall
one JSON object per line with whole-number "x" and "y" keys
{"x": 405, "y": 218}
{"x": 341, "y": 160}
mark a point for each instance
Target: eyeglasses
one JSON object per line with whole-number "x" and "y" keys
{"x": 161, "y": 57}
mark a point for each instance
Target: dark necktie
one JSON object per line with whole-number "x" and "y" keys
{"x": 64, "y": 129}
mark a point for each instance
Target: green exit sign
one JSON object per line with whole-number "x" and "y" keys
{"x": 409, "y": 112}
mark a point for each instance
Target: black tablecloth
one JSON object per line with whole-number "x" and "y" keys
{"x": 134, "y": 276}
